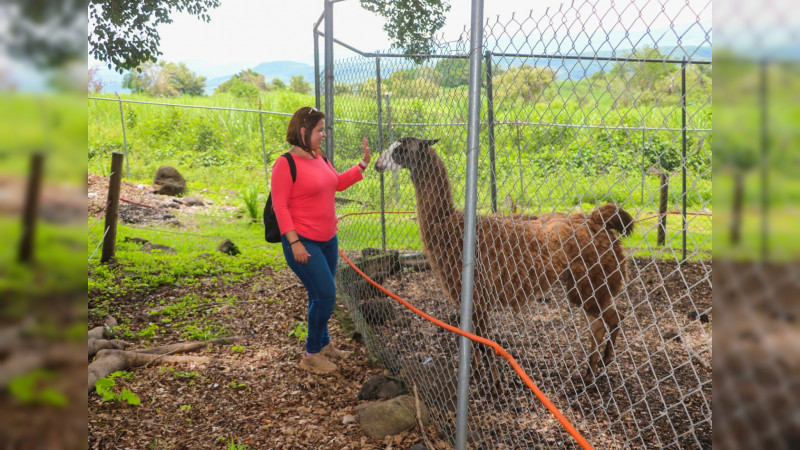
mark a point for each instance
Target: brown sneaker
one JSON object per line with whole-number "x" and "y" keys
{"x": 332, "y": 353}
{"x": 317, "y": 363}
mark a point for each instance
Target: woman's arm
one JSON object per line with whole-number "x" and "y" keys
{"x": 355, "y": 174}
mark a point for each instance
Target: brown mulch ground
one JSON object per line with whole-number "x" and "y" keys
{"x": 655, "y": 394}
{"x": 257, "y": 397}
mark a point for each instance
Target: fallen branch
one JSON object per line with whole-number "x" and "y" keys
{"x": 291, "y": 286}
{"x": 110, "y": 361}
{"x": 95, "y": 345}
{"x": 185, "y": 347}
{"x": 419, "y": 419}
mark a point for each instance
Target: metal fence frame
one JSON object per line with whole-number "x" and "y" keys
{"x": 475, "y": 55}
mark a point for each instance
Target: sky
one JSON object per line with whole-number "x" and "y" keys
{"x": 245, "y": 33}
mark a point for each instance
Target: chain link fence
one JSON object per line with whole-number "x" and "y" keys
{"x": 581, "y": 108}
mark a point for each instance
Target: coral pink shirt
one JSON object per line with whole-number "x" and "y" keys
{"x": 307, "y": 204}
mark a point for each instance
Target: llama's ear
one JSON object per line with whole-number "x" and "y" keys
{"x": 428, "y": 142}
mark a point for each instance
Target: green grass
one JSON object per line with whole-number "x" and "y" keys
{"x": 196, "y": 257}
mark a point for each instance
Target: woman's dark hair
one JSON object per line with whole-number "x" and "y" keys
{"x": 307, "y": 117}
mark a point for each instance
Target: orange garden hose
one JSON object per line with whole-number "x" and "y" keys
{"x": 497, "y": 348}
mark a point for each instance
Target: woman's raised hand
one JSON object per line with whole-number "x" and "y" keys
{"x": 365, "y": 148}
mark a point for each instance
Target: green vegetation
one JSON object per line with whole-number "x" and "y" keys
{"x": 106, "y": 388}
{"x": 545, "y": 163}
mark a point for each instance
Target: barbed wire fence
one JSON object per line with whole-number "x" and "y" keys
{"x": 579, "y": 110}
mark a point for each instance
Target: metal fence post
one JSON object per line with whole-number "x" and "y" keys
{"x": 124, "y": 136}
{"x": 317, "y": 94}
{"x": 395, "y": 181}
{"x": 263, "y": 146}
{"x": 470, "y": 221}
{"x": 683, "y": 157}
{"x": 380, "y": 145}
{"x": 329, "y": 116}
{"x": 114, "y": 184}
{"x": 490, "y": 129}
{"x": 764, "y": 153}
{"x": 30, "y": 213}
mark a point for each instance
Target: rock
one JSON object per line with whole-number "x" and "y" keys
{"x": 193, "y": 201}
{"x": 671, "y": 335}
{"x": 227, "y": 246}
{"x": 149, "y": 247}
{"x": 391, "y": 417}
{"x": 170, "y": 205}
{"x": 348, "y": 419}
{"x": 381, "y": 387}
{"x": 136, "y": 240}
{"x": 377, "y": 267}
{"x": 377, "y": 311}
{"x": 693, "y": 315}
{"x": 168, "y": 181}
{"x": 419, "y": 446}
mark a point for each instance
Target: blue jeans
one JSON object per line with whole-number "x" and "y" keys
{"x": 317, "y": 275}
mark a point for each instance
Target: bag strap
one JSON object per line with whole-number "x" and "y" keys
{"x": 293, "y": 167}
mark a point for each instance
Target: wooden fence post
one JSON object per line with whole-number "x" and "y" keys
{"x": 112, "y": 212}
{"x": 663, "y": 198}
{"x": 31, "y": 211}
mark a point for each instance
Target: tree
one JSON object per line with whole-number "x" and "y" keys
{"x": 95, "y": 83}
{"x": 455, "y": 72}
{"x": 524, "y": 82}
{"x": 247, "y": 76}
{"x": 124, "y": 34}
{"x": 164, "y": 79}
{"x": 411, "y": 23}
{"x": 183, "y": 80}
{"x": 300, "y": 85}
{"x": 640, "y": 75}
{"x": 278, "y": 84}
{"x": 242, "y": 89}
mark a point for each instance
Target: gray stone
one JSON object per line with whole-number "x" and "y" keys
{"x": 381, "y": 387}
{"x": 228, "y": 247}
{"x": 168, "y": 181}
{"x": 149, "y": 247}
{"x": 193, "y": 201}
{"x": 391, "y": 417}
{"x": 377, "y": 311}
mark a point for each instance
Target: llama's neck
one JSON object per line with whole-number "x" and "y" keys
{"x": 434, "y": 197}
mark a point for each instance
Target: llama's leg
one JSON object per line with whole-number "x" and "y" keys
{"x": 483, "y": 357}
{"x": 598, "y": 331}
{"x": 611, "y": 318}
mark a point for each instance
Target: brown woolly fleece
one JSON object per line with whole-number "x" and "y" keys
{"x": 519, "y": 257}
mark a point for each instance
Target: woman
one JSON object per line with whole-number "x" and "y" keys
{"x": 307, "y": 219}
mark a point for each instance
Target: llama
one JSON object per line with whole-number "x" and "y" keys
{"x": 581, "y": 251}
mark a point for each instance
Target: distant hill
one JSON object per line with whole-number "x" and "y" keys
{"x": 283, "y": 70}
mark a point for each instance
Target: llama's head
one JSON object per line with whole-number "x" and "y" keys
{"x": 404, "y": 152}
